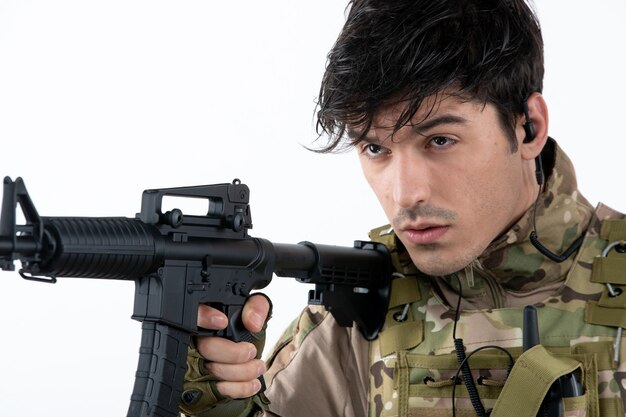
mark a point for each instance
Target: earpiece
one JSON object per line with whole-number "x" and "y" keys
{"x": 529, "y": 129}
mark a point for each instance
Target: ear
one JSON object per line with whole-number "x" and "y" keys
{"x": 538, "y": 114}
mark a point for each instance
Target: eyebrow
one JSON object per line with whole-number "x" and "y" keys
{"x": 356, "y": 136}
{"x": 445, "y": 119}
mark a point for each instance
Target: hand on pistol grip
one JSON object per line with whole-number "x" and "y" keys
{"x": 221, "y": 370}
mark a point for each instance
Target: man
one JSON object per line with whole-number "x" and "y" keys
{"x": 442, "y": 101}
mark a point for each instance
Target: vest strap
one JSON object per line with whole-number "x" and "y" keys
{"x": 610, "y": 270}
{"x": 613, "y": 229}
{"x": 613, "y": 406}
{"x": 404, "y": 290}
{"x": 402, "y": 370}
{"x": 532, "y": 376}
{"x": 408, "y": 332}
{"x": 401, "y": 337}
{"x": 605, "y": 316}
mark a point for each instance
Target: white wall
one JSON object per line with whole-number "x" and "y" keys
{"x": 100, "y": 100}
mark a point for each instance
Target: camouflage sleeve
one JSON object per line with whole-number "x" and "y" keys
{"x": 318, "y": 368}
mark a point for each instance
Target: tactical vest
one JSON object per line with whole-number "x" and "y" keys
{"x": 414, "y": 368}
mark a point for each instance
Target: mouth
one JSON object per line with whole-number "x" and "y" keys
{"x": 424, "y": 234}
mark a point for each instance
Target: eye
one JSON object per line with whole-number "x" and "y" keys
{"x": 441, "y": 142}
{"x": 372, "y": 150}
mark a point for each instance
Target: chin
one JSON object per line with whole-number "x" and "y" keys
{"x": 440, "y": 265}
{"x": 438, "y": 270}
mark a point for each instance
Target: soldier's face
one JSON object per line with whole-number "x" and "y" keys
{"x": 448, "y": 182}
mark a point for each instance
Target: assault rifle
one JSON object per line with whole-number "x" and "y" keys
{"x": 180, "y": 261}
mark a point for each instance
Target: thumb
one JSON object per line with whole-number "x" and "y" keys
{"x": 256, "y": 311}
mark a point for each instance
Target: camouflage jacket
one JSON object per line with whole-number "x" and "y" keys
{"x": 319, "y": 368}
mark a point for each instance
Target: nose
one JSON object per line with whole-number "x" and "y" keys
{"x": 411, "y": 186}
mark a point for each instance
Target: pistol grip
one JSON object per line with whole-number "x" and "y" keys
{"x": 235, "y": 330}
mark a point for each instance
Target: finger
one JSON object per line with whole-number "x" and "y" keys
{"x": 211, "y": 318}
{"x": 255, "y": 312}
{"x": 217, "y": 349}
{"x": 239, "y": 389}
{"x": 236, "y": 373}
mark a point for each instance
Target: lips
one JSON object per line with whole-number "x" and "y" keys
{"x": 424, "y": 235}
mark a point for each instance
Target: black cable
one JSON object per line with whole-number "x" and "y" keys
{"x": 466, "y": 363}
{"x": 467, "y": 378}
{"x": 457, "y": 312}
{"x": 461, "y": 358}
{"x": 534, "y": 239}
{"x": 551, "y": 255}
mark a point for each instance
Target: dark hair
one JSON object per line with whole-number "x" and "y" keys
{"x": 407, "y": 50}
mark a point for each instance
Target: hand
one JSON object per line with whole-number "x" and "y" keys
{"x": 234, "y": 364}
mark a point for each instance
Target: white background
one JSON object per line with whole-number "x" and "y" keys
{"x": 100, "y": 100}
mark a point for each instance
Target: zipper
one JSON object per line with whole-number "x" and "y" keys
{"x": 469, "y": 275}
{"x": 476, "y": 268}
